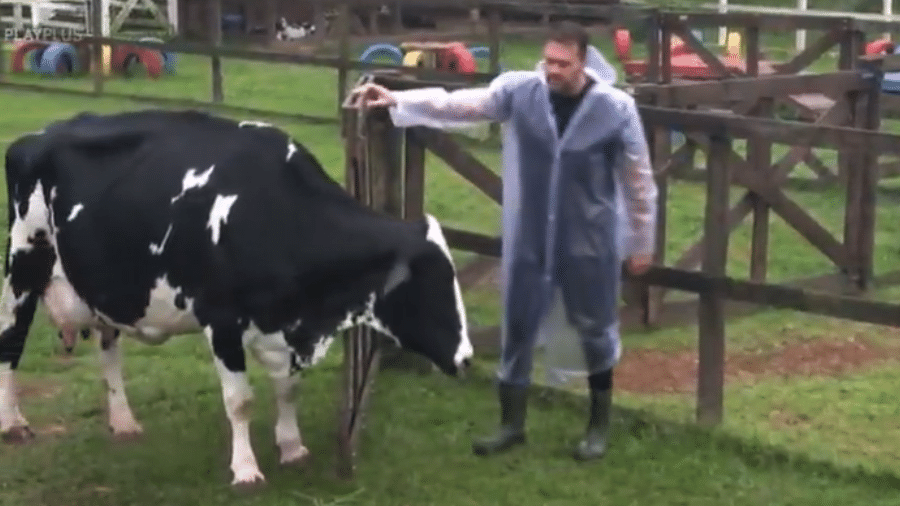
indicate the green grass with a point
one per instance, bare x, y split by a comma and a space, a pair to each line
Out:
800, 440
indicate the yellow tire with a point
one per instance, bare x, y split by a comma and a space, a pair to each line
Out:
414, 59
733, 44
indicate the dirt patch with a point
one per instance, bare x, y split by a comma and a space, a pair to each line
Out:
39, 389
644, 370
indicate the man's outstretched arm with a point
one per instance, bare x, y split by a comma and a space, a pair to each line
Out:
437, 108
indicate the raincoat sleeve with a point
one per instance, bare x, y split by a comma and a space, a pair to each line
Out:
639, 186
437, 108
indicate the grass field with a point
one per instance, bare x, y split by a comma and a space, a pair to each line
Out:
793, 434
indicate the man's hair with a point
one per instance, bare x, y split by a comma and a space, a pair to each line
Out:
570, 32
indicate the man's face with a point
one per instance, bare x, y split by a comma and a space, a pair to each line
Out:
563, 66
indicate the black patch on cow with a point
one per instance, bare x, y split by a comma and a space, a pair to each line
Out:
12, 340
224, 340
180, 302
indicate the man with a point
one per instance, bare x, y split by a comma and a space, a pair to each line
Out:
572, 144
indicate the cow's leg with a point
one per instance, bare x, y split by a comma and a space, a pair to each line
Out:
228, 354
16, 315
274, 353
121, 420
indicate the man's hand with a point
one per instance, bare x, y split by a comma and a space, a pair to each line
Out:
374, 95
639, 264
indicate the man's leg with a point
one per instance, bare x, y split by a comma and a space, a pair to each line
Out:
521, 315
591, 292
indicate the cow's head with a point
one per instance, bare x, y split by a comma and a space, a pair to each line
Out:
422, 304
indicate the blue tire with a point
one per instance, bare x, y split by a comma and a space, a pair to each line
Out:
168, 58
59, 54
382, 50
34, 59
483, 52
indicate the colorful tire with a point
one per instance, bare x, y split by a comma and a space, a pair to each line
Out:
124, 56
414, 59
168, 58
456, 58
21, 49
623, 44
483, 52
60, 59
376, 50
880, 46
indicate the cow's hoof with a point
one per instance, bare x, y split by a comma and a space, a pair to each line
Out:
294, 454
126, 432
248, 480
18, 435
126, 436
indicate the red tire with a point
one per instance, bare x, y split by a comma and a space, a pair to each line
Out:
880, 46
623, 44
21, 49
151, 59
457, 58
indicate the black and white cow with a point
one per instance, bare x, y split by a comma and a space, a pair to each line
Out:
156, 223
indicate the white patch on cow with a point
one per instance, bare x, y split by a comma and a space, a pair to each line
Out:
465, 350
162, 318
157, 249
74, 212
36, 218
121, 418
251, 123
237, 396
218, 215
9, 304
10, 415
366, 317
193, 180
291, 149
274, 353
399, 273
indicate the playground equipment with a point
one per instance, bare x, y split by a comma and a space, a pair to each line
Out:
65, 58
448, 56
685, 63
388, 51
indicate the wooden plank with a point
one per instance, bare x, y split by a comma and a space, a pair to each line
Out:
96, 48
173, 102
780, 132
742, 89
343, 25
215, 33
472, 241
707, 56
461, 161
335, 62
711, 313
414, 174
780, 296
871, 118
769, 22
812, 53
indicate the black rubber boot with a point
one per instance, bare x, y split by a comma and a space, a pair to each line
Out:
593, 446
513, 406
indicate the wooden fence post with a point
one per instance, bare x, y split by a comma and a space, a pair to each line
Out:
96, 7
215, 20
711, 313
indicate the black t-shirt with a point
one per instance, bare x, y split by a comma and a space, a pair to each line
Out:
565, 105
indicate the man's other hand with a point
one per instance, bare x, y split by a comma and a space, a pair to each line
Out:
639, 264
